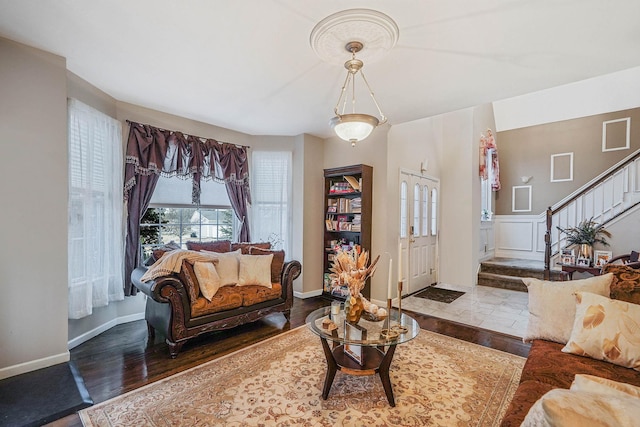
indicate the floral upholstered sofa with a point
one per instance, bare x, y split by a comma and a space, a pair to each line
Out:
213, 286
584, 362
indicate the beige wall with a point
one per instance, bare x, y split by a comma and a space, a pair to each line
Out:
308, 215
527, 152
33, 185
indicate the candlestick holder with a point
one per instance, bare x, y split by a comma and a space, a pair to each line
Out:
399, 328
388, 332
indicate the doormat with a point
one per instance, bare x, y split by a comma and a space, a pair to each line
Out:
440, 295
42, 396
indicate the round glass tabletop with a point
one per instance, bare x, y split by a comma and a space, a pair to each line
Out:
366, 332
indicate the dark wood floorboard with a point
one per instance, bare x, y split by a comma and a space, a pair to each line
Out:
123, 359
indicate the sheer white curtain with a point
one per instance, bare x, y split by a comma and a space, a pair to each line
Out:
95, 243
271, 188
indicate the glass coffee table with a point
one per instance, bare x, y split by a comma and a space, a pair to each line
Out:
364, 349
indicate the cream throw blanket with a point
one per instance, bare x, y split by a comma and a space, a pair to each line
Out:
171, 262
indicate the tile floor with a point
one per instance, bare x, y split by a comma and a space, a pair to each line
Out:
500, 310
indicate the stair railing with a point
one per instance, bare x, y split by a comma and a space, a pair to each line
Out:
632, 160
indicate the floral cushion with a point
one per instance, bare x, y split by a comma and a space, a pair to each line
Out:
606, 329
626, 282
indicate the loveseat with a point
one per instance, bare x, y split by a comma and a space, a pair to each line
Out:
213, 286
548, 367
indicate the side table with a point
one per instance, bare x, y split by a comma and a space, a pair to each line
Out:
370, 347
571, 268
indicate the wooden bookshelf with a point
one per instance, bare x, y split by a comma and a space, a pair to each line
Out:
347, 207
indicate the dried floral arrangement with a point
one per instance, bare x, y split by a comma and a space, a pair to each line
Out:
350, 268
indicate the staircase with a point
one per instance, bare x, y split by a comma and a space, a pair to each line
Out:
606, 197
507, 273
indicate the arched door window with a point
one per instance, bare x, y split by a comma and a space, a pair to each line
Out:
416, 210
403, 209
434, 212
425, 211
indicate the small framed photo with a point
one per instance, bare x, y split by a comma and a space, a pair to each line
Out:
567, 257
353, 332
583, 262
601, 257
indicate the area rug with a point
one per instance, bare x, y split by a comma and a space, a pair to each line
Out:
440, 295
437, 381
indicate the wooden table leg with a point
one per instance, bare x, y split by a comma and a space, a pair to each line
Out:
332, 368
384, 374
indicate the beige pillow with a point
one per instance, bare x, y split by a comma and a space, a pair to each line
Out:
228, 266
552, 306
593, 384
561, 407
208, 278
255, 270
606, 329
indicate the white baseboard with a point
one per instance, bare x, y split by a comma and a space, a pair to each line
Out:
33, 365
310, 294
102, 328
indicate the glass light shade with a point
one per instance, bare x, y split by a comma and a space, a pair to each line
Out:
353, 127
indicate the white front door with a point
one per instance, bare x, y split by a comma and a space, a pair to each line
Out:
419, 197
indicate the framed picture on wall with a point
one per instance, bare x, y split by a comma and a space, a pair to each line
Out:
562, 167
521, 198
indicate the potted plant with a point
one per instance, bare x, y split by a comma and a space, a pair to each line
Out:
585, 235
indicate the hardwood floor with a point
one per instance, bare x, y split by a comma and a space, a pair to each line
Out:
123, 359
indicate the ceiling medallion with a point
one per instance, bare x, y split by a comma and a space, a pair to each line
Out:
375, 30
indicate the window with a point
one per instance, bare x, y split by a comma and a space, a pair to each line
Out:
416, 211
271, 188
163, 224
434, 212
95, 233
425, 210
485, 188
403, 209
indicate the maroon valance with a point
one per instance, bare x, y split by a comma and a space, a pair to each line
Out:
151, 150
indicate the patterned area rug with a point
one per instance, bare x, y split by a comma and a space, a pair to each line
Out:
437, 381
440, 295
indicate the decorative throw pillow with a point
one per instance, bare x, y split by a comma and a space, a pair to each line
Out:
552, 306
606, 329
245, 247
561, 407
626, 282
208, 278
255, 270
593, 384
276, 265
215, 246
228, 265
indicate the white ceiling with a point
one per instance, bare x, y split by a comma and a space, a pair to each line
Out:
247, 65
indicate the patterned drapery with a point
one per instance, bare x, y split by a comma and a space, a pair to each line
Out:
487, 143
152, 152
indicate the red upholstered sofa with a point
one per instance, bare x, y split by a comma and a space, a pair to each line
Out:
177, 307
547, 367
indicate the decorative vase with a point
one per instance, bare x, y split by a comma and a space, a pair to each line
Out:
586, 251
353, 308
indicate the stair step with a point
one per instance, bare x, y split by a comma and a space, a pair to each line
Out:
501, 281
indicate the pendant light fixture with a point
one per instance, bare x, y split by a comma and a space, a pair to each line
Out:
368, 33
353, 126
